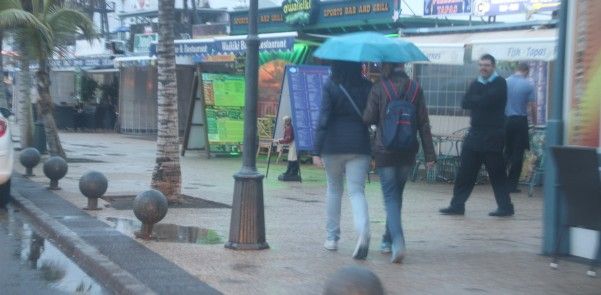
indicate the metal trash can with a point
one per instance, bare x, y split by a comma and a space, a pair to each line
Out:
39, 137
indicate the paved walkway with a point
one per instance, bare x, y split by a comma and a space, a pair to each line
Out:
446, 255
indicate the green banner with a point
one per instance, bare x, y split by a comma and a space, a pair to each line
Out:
223, 90
224, 100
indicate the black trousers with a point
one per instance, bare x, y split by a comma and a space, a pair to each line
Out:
516, 142
471, 161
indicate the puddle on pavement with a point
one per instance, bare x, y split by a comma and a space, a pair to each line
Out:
165, 232
38, 253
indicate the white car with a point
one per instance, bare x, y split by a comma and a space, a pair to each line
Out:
6, 156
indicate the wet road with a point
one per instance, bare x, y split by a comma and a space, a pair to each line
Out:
29, 264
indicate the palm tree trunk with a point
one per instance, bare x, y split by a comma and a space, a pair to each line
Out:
25, 116
166, 176
45, 109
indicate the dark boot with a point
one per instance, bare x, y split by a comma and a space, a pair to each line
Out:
282, 176
293, 175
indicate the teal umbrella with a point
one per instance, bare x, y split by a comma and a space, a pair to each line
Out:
369, 47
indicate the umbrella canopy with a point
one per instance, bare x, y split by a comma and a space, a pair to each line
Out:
369, 47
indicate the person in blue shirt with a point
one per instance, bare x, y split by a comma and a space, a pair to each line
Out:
520, 102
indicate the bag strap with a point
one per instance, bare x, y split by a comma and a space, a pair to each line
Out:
350, 99
411, 91
385, 87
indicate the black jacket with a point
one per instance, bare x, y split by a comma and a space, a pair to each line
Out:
487, 117
340, 130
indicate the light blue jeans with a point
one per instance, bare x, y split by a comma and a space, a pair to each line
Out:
355, 167
392, 180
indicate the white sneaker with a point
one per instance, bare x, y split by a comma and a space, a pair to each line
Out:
331, 245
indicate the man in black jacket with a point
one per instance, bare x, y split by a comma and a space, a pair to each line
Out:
486, 98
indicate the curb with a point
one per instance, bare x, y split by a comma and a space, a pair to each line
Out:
88, 258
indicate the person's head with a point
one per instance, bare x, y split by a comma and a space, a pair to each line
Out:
389, 68
287, 120
353, 280
487, 64
523, 68
346, 72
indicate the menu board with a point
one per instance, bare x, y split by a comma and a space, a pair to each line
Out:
301, 95
224, 108
223, 90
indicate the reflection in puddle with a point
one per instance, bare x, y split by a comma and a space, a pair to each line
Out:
38, 253
170, 232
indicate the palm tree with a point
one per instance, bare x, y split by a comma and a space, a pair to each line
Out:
15, 15
166, 176
59, 23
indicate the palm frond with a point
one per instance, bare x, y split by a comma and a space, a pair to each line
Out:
13, 17
65, 21
10, 4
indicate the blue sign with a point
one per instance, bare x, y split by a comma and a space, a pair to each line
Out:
445, 7
304, 86
498, 7
81, 62
238, 46
194, 48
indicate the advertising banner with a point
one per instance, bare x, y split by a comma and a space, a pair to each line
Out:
499, 7
142, 42
583, 75
445, 7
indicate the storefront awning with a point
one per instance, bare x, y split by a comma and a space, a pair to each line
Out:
503, 45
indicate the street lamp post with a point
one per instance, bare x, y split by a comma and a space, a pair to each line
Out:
247, 225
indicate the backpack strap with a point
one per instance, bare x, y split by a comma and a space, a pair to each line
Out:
396, 94
411, 91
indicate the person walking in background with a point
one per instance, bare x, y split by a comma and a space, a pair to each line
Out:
293, 169
78, 116
520, 102
342, 141
394, 164
486, 98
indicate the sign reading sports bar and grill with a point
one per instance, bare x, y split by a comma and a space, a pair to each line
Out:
293, 13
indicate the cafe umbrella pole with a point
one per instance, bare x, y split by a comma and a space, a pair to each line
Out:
247, 225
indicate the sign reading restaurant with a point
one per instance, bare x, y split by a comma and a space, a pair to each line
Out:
278, 19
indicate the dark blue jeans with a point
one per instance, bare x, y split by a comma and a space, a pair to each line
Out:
392, 180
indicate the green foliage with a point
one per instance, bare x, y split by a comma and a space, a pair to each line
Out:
110, 91
87, 88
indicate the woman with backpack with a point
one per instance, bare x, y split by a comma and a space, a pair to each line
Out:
342, 141
396, 105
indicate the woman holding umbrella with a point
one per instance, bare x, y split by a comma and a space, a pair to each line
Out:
392, 166
342, 141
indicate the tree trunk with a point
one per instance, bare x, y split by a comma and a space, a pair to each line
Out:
3, 98
166, 176
45, 110
25, 115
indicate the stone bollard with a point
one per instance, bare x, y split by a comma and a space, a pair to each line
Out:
93, 185
29, 158
55, 168
353, 280
150, 207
